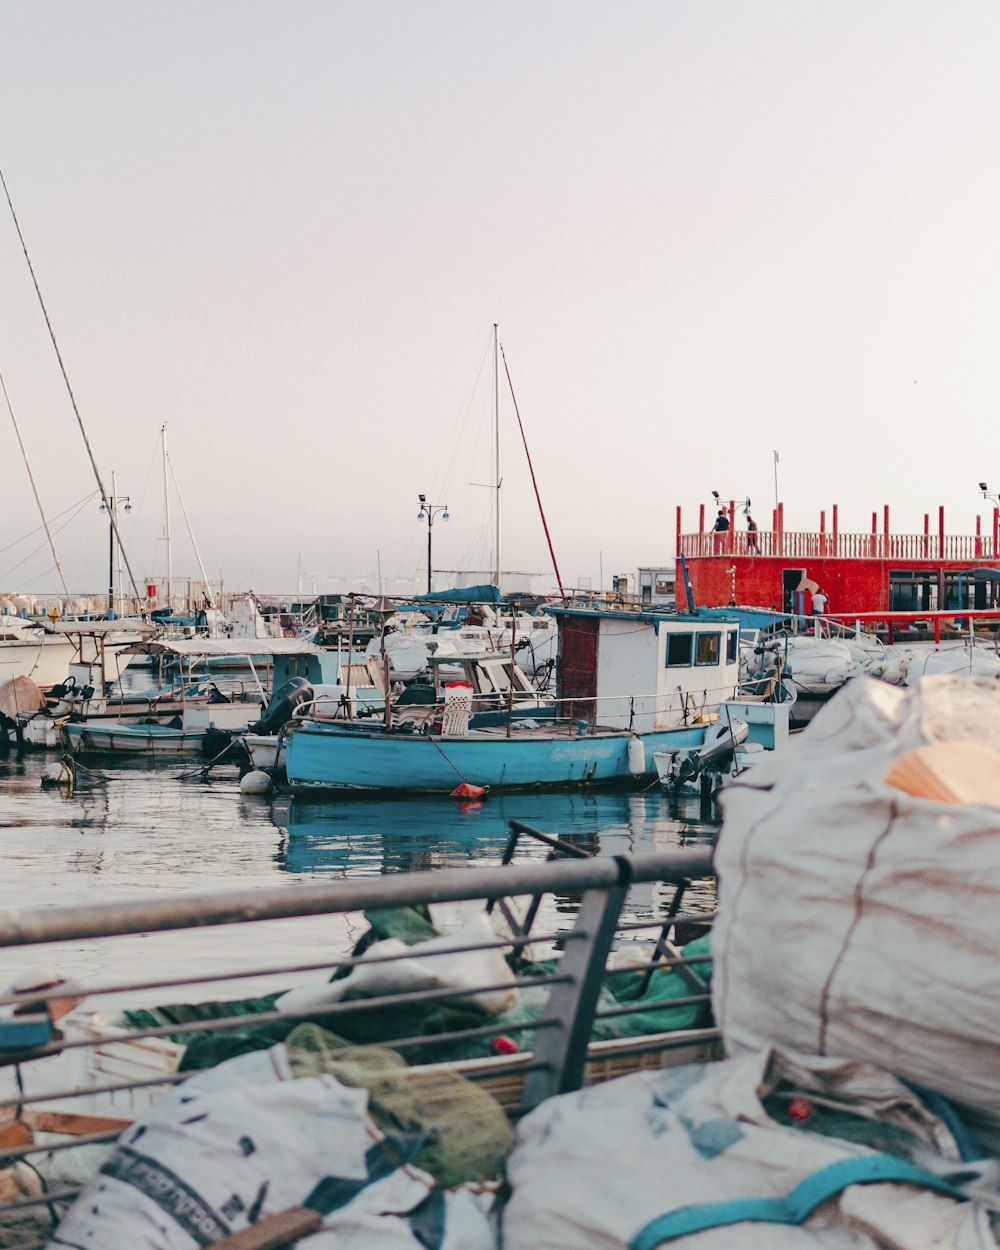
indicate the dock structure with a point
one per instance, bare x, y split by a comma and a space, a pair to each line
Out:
873, 571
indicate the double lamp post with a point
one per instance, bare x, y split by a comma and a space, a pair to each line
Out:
428, 511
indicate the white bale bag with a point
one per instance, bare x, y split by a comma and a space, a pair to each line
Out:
857, 920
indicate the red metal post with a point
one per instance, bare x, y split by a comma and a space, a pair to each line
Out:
979, 537
885, 549
732, 524
874, 550
996, 532
678, 548
781, 529
927, 535
822, 533
836, 550
941, 533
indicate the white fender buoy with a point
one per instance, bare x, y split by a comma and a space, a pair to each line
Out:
255, 782
57, 774
636, 757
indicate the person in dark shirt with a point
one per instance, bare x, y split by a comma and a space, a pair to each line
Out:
752, 541
721, 527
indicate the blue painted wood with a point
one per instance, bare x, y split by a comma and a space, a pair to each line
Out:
336, 758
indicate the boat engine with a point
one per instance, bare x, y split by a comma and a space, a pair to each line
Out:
284, 701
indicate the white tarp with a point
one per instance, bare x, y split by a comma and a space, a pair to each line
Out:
599, 1169
859, 921
961, 661
438, 963
408, 652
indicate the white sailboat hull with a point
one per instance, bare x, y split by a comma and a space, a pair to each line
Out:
45, 660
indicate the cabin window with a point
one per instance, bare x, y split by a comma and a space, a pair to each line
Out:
732, 646
966, 590
709, 648
915, 590
679, 650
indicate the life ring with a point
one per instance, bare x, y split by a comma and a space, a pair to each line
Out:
288, 632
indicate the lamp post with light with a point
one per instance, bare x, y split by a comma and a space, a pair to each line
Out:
428, 511
113, 502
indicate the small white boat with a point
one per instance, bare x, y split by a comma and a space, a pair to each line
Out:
86, 736
266, 751
684, 765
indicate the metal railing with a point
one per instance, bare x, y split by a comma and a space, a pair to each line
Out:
570, 716
619, 897
811, 545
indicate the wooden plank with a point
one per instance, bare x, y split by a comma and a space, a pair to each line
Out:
273, 1231
74, 1125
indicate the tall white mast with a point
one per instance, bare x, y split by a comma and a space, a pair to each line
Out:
187, 521
34, 488
166, 518
496, 429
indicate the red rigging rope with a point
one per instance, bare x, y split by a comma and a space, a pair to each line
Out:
531, 470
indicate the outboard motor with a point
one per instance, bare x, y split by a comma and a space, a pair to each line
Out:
284, 701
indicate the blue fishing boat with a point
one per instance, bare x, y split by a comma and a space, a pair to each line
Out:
602, 732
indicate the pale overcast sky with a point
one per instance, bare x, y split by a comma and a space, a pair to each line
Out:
706, 229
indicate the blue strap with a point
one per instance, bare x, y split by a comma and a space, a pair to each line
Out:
795, 1207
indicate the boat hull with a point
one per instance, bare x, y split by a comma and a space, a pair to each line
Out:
134, 739
325, 758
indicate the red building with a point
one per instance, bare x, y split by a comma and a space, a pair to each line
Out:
859, 572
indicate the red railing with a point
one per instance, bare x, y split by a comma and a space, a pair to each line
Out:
797, 545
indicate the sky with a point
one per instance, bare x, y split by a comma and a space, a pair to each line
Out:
707, 231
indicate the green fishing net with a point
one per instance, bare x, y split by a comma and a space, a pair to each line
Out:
470, 1135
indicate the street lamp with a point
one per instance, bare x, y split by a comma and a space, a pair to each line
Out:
113, 502
428, 511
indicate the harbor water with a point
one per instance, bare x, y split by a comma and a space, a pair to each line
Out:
139, 828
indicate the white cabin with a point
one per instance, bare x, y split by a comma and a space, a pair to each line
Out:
645, 670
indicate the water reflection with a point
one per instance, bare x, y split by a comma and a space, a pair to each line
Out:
397, 835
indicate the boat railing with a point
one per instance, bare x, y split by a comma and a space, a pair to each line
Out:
96, 1072
572, 714
681, 707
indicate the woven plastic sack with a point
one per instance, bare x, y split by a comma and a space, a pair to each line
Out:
859, 921
244, 1141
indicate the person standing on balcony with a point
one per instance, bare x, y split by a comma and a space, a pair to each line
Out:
720, 528
752, 541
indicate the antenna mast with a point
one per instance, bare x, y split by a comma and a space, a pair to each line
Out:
166, 520
496, 431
